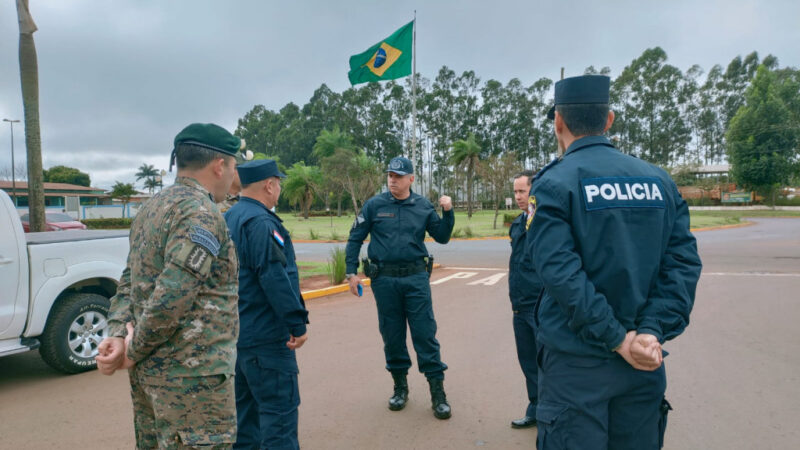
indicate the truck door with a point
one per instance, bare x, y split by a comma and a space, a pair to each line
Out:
12, 248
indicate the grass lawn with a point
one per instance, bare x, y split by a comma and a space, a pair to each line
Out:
319, 228
701, 219
311, 268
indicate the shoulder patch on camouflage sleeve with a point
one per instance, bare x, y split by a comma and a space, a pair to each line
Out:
195, 258
203, 237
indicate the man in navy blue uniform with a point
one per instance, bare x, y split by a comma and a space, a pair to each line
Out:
396, 222
610, 240
524, 287
272, 314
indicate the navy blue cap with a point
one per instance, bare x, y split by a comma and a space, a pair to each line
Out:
253, 171
585, 89
400, 165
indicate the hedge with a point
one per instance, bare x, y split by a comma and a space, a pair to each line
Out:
116, 223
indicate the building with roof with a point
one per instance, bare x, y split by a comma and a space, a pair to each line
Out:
56, 194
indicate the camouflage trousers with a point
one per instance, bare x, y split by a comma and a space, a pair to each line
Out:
183, 413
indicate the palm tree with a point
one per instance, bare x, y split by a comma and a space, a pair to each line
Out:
29, 77
301, 182
151, 184
149, 173
466, 154
329, 141
123, 192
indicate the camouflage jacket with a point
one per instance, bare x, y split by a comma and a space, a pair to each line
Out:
226, 204
180, 287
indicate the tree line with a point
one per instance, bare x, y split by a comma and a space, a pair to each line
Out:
666, 116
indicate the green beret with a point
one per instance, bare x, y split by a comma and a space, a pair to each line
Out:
210, 136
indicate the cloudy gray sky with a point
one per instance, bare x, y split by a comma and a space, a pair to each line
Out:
119, 78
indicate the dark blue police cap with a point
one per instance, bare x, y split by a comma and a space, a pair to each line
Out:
584, 90
401, 166
253, 171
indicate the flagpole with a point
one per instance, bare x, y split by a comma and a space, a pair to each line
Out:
414, 90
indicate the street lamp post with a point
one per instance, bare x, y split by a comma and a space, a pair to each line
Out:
13, 169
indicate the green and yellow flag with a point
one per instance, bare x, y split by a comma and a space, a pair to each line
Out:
386, 60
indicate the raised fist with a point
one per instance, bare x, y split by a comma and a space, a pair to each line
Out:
446, 202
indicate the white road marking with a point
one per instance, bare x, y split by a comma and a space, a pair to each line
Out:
490, 280
750, 274
455, 276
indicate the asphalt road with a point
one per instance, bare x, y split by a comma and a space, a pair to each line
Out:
732, 377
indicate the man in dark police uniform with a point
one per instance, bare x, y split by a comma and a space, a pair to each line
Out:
272, 313
396, 222
610, 239
524, 287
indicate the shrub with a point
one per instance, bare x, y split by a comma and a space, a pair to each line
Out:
336, 265
113, 223
312, 234
335, 236
509, 218
457, 233
783, 201
468, 232
704, 201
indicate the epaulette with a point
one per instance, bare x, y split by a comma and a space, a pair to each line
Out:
545, 169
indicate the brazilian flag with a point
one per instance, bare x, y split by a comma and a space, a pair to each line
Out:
386, 60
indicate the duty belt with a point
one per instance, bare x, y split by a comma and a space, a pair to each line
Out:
401, 269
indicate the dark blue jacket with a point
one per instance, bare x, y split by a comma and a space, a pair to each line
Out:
524, 285
611, 242
270, 306
397, 229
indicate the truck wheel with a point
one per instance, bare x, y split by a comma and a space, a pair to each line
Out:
74, 329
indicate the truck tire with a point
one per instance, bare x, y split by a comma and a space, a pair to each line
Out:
74, 329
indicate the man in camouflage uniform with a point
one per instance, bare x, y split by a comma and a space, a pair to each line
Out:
236, 187
179, 293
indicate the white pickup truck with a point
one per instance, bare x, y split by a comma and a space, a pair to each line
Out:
54, 290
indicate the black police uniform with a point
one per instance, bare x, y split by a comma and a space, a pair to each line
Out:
524, 287
610, 239
271, 310
402, 289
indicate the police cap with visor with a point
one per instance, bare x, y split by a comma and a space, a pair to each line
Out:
585, 89
400, 165
261, 169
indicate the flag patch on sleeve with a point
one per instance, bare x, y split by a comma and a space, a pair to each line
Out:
531, 211
278, 237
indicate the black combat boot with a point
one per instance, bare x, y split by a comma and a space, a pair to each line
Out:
441, 409
400, 397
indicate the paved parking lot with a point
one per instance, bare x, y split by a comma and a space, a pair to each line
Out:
733, 376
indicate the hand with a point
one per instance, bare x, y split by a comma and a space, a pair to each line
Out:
625, 351
110, 354
646, 350
297, 342
446, 202
127, 363
354, 281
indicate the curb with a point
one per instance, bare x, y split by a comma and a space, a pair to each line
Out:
746, 223
339, 288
